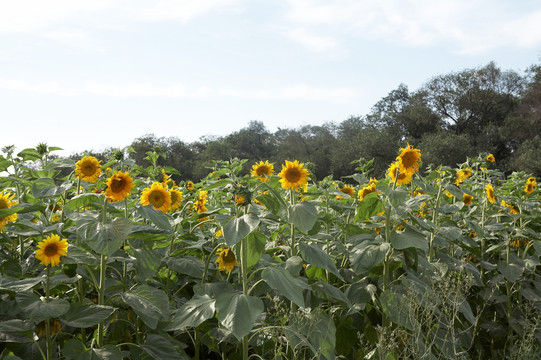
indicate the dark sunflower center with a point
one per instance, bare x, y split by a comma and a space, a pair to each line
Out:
3, 204
293, 175
51, 249
229, 257
262, 170
156, 198
408, 159
89, 169
117, 185
174, 197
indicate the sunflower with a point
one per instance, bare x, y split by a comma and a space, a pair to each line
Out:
158, 196
6, 201
490, 193
468, 199
119, 186
511, 208
240, 200
347, 189
226, 260
408, 160
176, 198
88, 169
462, 175
490, 158
370, 188
51, 249
531, 185
394, 173
293, 175
190, 186
262, 170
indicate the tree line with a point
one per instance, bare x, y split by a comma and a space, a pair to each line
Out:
450, 117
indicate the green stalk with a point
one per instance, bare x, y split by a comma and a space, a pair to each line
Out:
47, 322
244, 274
431, 249
292, 242
101, 288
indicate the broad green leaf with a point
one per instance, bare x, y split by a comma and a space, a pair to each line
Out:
45, 187
82, 200
314, 272
148, 261
219, 184
450, 232
281, 280
107, 352
328, 290
16, 285
318, 334
77, 255
38, 310
4, 163
409, 238
157, 217
255, 242
238, 228
317, 257
397, 308
368, 207
238, 312
366, 256
193, 313
303, 215
188, 265
512, 271
16, 325
107, 238
84, 316
149, 303
29, 154
159, 347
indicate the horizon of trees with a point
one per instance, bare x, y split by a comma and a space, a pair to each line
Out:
452, 116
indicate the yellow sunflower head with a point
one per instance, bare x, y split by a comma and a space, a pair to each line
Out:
468, 199
408, 160
262, 170
226, 260
51, 249
190, 186
395, 175
88, 169
370, 188
158, 196
490, 158
490, 193
293, 175
6, 201
119, 186
462, 175
531, 185
348, 189
176, 198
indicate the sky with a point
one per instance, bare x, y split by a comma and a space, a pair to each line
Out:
91, 75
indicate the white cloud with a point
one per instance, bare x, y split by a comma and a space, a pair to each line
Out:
312, 41
333, 95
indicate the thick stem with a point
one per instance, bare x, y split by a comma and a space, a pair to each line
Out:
245, 290
101, 295
48, 321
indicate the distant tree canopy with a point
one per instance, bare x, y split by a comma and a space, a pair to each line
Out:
451, 117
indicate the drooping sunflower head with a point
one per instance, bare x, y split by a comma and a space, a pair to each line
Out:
395, 175
293, 175
370, 188
51, 249
6, 201
468, 199
462, 175
176, 198
490, 158
348, 189
158, 196
190, 186
408, 160
202, 199
226, 260
88, 169
490, 193
262, 170
511, 208
119, 186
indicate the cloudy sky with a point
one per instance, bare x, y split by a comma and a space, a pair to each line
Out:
87, 75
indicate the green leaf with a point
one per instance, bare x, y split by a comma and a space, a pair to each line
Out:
4, 163
38, 310
366, 256
314, 272
319, 334
368, 207
107, 238
512, 271
193, 313
281, 280
255, 242
238, 312
303, 215
16, 285
148, 261
238, 228
219, 184
397, 308
84, 316
317, 257
16, 325
82, 200
159, 347
157, 217
29, 154
108, 352
77, 255
45, 187
188, 265
149, 303
409, 238
328, 290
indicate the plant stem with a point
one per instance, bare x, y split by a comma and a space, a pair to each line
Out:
48, 321
244, 274
101, 295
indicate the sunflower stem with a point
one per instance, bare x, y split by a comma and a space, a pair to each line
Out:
101, 295
49, 345
431, 249
245, 290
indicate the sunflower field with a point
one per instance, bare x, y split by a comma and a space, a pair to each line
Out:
110, 260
